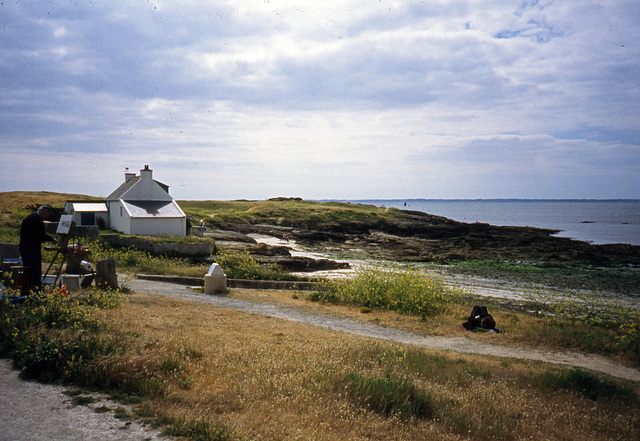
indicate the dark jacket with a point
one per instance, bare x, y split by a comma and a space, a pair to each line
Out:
32, 233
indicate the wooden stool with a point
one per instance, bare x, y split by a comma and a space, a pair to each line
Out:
21, 282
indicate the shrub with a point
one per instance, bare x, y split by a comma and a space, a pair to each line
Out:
52, 337
56, 358
405, 290
240, 265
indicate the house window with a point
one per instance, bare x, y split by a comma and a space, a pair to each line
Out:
120, 211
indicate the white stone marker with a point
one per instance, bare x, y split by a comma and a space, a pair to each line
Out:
215, 280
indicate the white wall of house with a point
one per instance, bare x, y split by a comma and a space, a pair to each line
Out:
159, 226
78, 218
119, 219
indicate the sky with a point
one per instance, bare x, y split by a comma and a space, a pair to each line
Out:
343, 99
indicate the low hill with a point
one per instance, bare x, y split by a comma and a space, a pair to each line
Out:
11, 200
15, 205
368, 231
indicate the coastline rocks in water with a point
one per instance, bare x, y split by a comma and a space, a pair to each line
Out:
422, 237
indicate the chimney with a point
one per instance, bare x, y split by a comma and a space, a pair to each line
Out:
146, 173
128, 176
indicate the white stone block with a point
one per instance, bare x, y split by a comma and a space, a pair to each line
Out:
215, 280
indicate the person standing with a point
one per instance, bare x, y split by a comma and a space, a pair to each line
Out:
32, 235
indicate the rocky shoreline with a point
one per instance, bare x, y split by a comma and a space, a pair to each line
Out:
420, 237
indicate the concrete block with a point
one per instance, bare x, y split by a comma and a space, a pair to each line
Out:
215, 280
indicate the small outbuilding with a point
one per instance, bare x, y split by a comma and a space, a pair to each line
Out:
88, 213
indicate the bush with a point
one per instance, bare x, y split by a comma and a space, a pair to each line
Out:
405, 290
240, 265
52, 337
56, 358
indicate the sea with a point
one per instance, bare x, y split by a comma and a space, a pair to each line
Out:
593, 221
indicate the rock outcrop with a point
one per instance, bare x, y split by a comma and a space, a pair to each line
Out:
422, 237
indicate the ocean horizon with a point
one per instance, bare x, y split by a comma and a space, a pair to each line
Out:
597, 221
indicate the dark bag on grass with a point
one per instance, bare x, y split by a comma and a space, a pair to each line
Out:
479, 318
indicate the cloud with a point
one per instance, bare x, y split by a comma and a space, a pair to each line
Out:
340, 99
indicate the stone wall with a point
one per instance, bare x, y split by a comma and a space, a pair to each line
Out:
158, 248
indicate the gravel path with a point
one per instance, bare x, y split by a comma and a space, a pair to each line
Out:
455, 344
30, 411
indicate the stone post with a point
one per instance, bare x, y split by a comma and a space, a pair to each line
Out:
215, 280
106, 276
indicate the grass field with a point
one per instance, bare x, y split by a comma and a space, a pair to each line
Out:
205, 373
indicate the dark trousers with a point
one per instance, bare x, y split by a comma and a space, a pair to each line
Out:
33, 260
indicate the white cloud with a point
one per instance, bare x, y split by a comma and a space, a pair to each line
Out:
339, 99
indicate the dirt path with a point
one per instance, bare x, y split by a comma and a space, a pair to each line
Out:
455, 344
32, 411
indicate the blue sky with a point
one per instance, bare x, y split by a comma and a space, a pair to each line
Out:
341, 100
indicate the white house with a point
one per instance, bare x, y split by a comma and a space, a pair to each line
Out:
143, 206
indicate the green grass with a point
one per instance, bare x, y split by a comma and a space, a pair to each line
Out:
83, 400
623, 279
201, 429
401, 289
597, 323
390, 396
284, 212
592, 386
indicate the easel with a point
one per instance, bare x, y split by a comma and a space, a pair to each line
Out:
68, 252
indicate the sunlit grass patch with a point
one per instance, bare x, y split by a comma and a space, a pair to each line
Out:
597, 322
401, 289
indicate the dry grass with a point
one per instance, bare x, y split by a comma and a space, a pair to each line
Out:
519, 329
264, 378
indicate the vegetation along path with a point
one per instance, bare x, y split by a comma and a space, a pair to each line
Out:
456, 344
